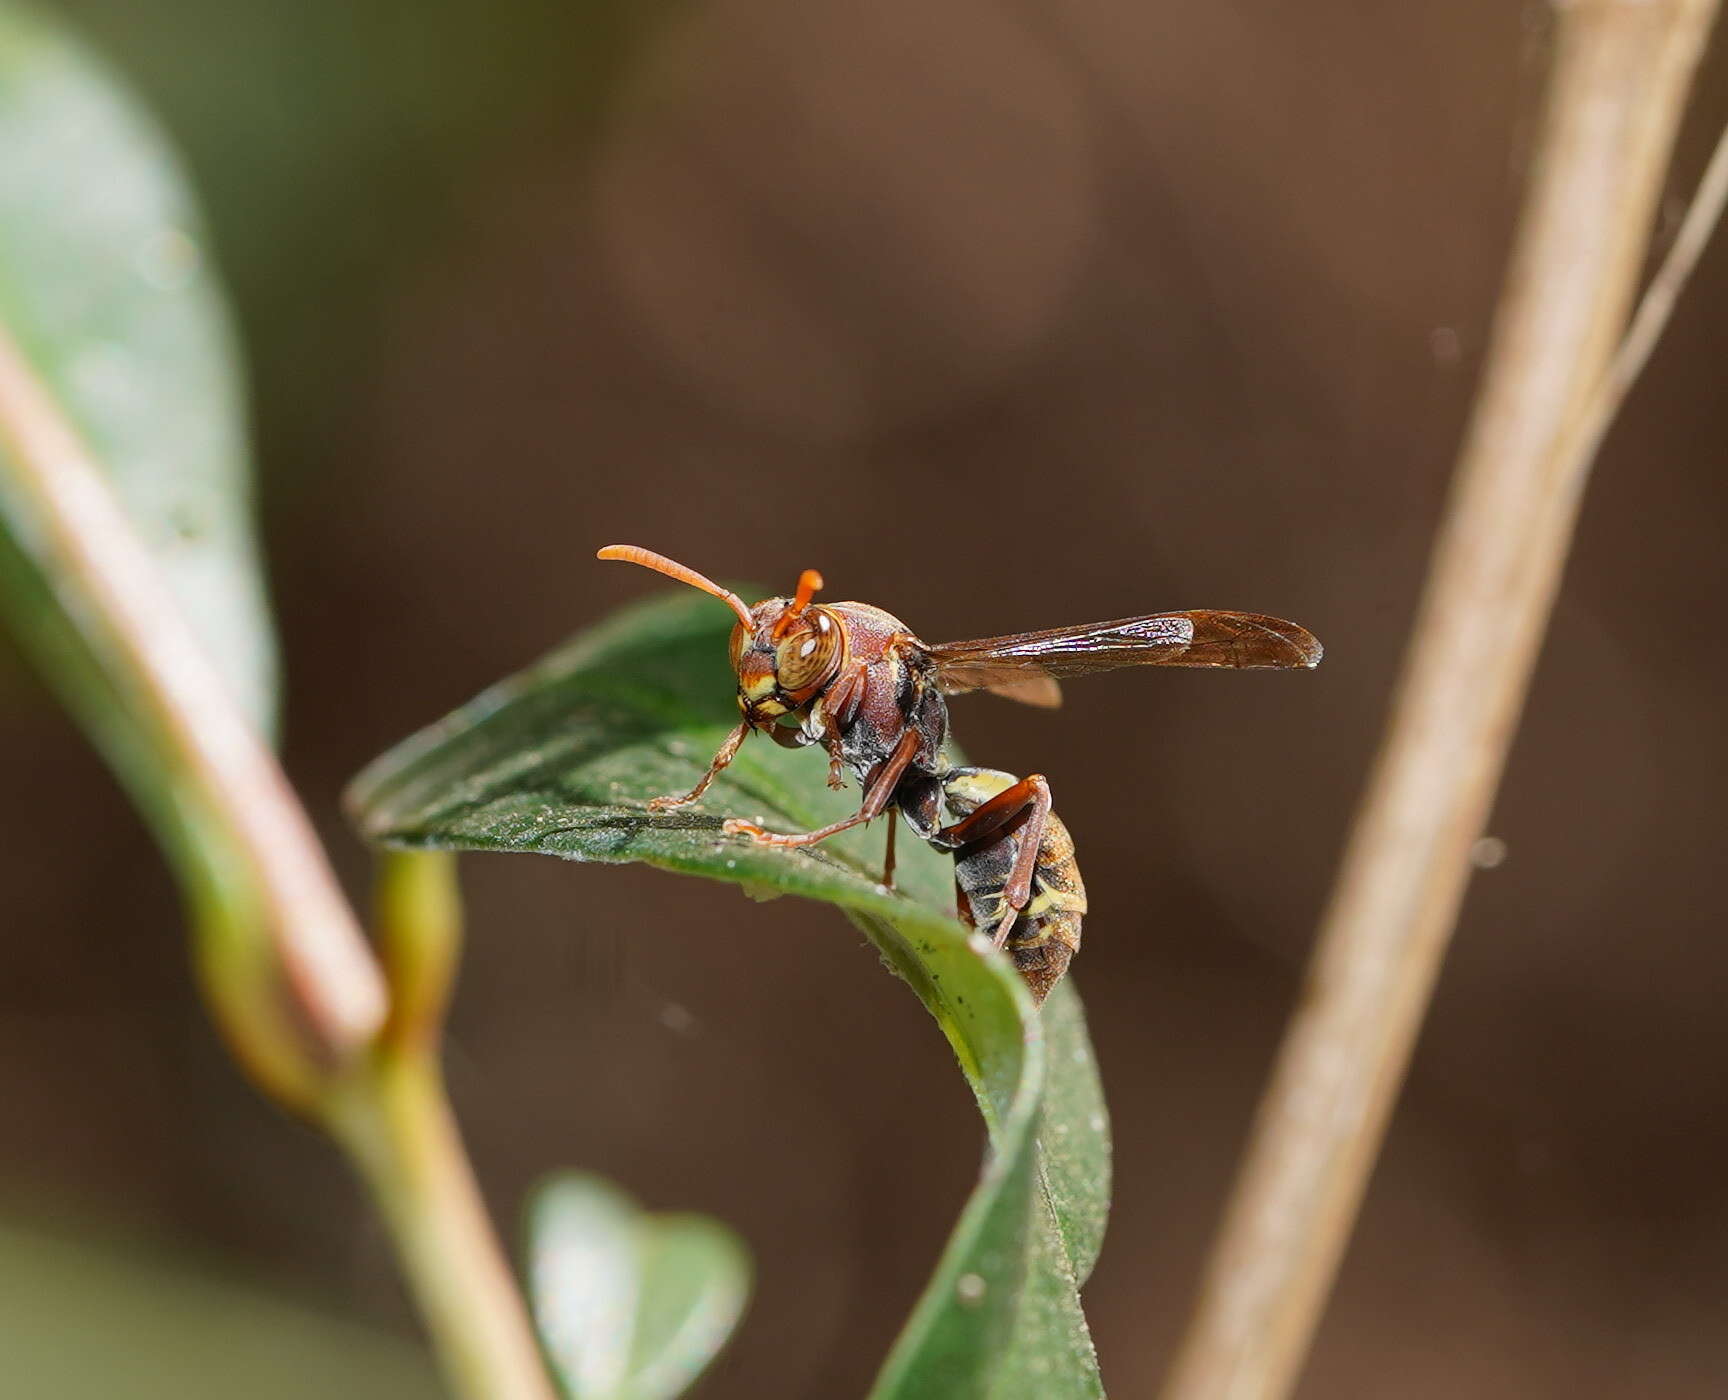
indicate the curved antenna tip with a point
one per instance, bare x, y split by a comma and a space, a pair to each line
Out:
671, 568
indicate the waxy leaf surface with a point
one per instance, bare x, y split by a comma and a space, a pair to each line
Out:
560, 759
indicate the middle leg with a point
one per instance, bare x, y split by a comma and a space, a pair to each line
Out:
888, 849
876, 797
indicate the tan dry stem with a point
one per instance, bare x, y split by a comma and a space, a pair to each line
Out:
1621, 72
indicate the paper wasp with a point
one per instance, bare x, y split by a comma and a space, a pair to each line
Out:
857, 681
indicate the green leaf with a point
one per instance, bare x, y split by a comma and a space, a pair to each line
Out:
630, 1306
559, 760
105, 285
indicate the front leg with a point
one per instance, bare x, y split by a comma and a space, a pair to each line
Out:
836, 759
728, 751
876, 798
839, 703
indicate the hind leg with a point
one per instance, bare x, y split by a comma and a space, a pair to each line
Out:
1030, 795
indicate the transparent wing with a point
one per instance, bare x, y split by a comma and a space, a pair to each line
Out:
1017, 683
1233, 640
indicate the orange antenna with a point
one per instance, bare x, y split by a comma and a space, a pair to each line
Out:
808, 582
648, 559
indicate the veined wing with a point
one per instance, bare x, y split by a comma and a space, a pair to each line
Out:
1238, 641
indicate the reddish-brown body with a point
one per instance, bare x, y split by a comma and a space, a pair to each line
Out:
856, 680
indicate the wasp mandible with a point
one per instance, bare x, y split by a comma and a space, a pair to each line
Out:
859, 682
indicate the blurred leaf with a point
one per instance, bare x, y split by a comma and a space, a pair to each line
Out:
83, 1319
559, 759
105, 289
695, 1278
630, 1306
105, 284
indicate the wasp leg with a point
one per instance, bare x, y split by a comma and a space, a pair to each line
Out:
728, 751
1031, 792
1006, 916
882, 784
838, 704
888, 849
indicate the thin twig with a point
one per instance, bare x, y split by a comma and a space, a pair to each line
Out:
327, 966
1657, 304
1621, 72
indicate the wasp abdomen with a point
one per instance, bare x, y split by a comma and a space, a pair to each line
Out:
1042, 936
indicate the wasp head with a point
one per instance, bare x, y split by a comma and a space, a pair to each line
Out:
787, 655
785, 650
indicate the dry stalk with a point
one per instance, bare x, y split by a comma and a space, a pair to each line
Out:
1621, 72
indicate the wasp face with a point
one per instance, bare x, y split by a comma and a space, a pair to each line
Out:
785, 658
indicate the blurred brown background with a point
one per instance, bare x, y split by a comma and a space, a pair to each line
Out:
1004, 315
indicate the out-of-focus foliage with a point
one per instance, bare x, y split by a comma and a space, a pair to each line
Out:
366, 118
105, 290
104, 283
630, 1306
559, 759
87, 1321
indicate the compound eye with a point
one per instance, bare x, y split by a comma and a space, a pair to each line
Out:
736, 646
808, 654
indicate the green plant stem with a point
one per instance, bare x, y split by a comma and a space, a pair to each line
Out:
395, 1122
1620, 76
111, 583
394, 1119
417, 911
